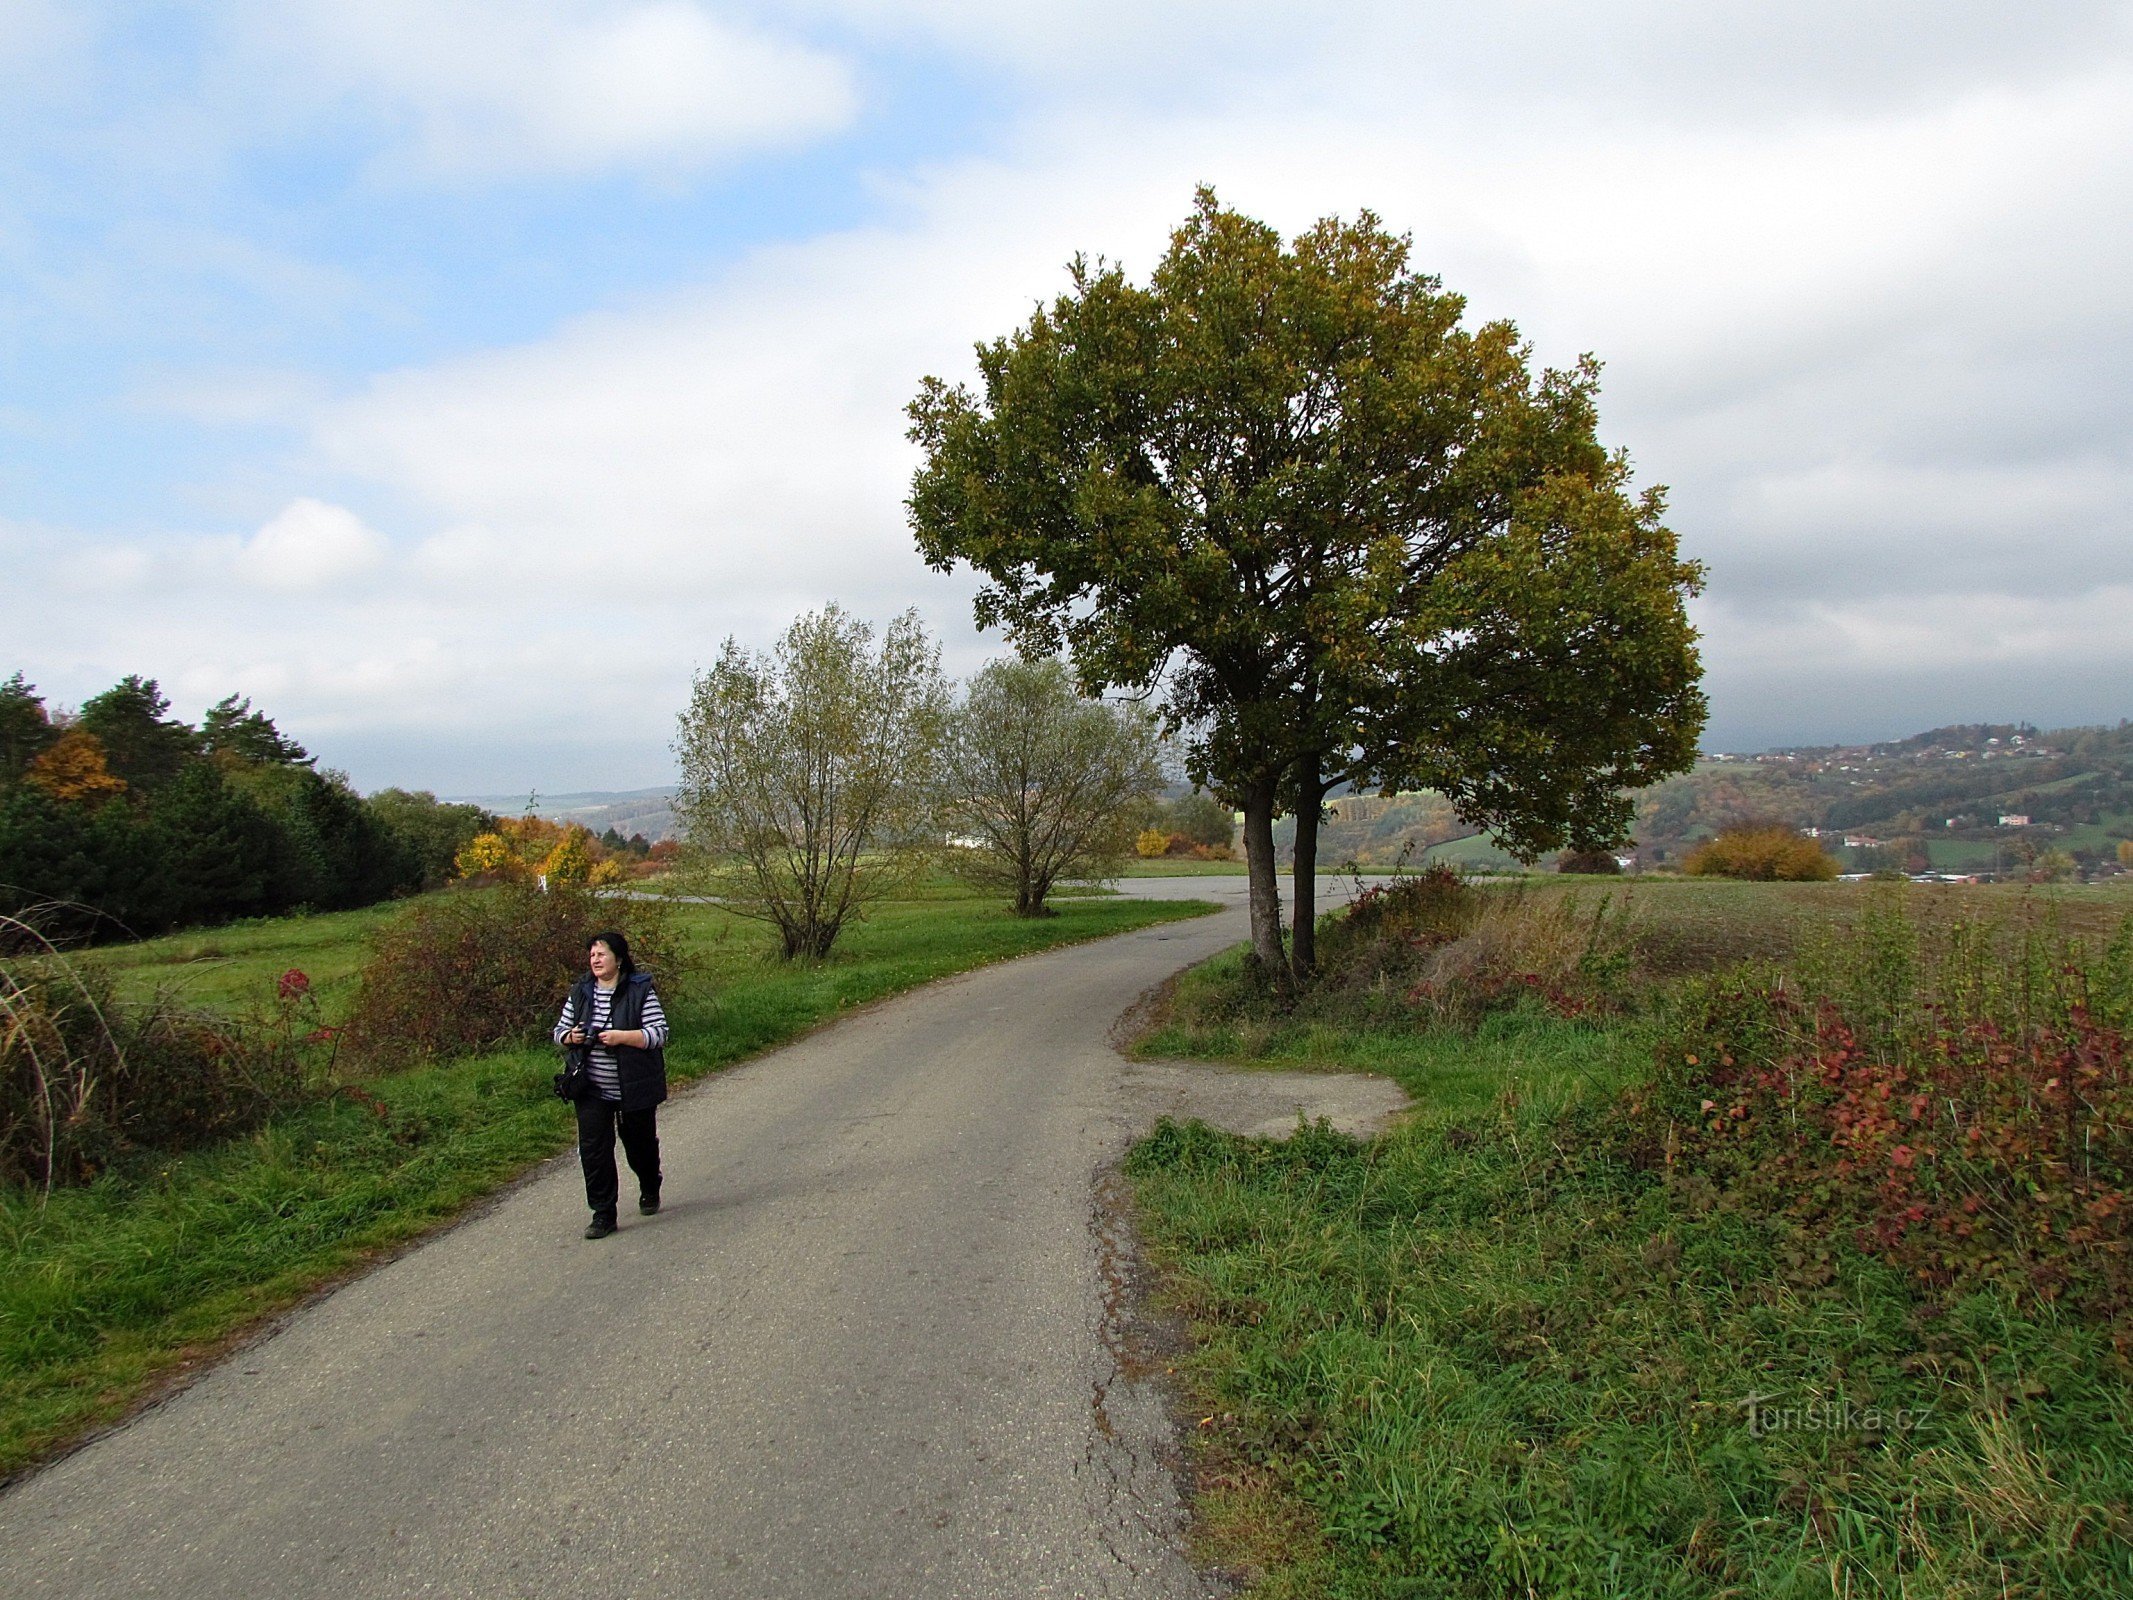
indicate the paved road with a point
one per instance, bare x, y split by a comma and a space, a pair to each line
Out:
869, 1349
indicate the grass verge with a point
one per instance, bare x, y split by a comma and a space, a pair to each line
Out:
115, 1287
1485, 1354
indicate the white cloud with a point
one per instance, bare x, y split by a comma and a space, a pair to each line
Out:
310, 546
481, 88
1926, 632
1875, 340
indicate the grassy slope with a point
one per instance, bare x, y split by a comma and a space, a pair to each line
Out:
228, 966
112, 1287
1476, 1357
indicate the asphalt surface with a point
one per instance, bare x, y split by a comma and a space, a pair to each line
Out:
873, 1346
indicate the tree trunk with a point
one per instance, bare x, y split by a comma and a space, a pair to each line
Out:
1265, 889
1303, 940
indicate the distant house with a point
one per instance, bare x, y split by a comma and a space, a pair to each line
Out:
1861, 841
2015, 819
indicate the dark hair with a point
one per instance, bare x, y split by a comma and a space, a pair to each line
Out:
619, 942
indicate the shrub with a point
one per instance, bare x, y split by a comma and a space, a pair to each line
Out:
1201, 819
1957, 1103
1569, 954
1764, 853
1430, 908
1591, 862
480, 969
84, 1081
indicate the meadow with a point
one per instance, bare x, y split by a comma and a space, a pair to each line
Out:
1621, 1309
115, 1287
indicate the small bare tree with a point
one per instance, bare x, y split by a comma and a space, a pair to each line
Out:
1042, 784
807, 773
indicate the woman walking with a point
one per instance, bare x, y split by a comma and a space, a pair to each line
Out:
613, 1014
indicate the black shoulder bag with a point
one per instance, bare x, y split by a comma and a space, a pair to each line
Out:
576, 1076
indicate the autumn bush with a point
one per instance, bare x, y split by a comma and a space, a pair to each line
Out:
480, 969
85, 1081
1761, 853
1432, 950
1955, 1101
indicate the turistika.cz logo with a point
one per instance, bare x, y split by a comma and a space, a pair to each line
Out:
1765, 1414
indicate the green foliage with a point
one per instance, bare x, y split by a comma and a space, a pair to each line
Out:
1047, 784
145, 747
473, 970
807, 774
1199, 817
25, 729
429, 832
233, 731
1762, 853
1480, 1357
189, 826
1353, 540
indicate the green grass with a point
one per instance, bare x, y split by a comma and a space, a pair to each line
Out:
1477, 852
1482, 1356
1445, 1072
111, 1287
223, 967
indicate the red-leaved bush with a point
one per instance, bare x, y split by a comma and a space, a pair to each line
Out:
1975, 1153
479, 969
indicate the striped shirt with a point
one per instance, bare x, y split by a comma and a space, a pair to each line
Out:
602, 1067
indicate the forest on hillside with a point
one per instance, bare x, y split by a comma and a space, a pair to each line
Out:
121, 819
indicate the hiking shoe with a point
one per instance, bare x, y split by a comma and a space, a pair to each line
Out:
599, 1227
648, 1204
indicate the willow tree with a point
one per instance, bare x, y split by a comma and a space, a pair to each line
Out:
1342, 536
808, 773
1042, 784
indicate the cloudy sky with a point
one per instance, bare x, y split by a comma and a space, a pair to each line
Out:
452, 376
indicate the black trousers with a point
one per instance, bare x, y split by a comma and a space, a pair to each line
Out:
598, 1123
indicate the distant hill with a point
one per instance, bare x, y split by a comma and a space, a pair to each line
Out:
630, 811
1951, 795
1947, 798
1938, 796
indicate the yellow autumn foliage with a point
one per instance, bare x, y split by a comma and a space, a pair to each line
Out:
74, 769
571, 860
489, 855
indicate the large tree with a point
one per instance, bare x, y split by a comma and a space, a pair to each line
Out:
1041, 783
1345, 538
25, 729
807, 774
233, 732
145, 747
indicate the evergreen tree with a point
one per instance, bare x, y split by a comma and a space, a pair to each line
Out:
144, 746
233, 731
25, 729
212, 855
